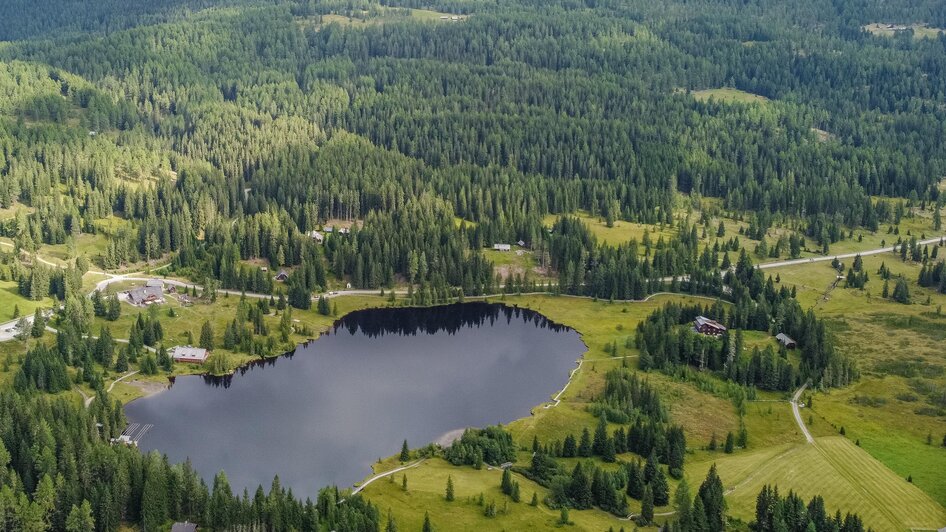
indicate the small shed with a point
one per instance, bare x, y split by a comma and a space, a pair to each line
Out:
786, 340
502, 247
184, 527
189, 354
317, 236
283, 276
704, 325
521, 243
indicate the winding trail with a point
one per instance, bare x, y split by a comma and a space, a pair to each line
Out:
382, 475
797, 413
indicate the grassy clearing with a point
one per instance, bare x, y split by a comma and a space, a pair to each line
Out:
425, 493
381, 15
10, 299
920, 30
728, 95
622, 232
845, 475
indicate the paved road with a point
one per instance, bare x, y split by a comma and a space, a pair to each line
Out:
8, 330
878, 251
797, 413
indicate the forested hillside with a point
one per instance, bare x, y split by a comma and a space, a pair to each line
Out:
228, 138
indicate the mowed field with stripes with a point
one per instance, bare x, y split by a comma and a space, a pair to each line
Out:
834, 467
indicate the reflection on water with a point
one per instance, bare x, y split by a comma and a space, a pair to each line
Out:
322, 414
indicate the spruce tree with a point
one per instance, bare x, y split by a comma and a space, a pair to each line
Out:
683, 504
427, 526
647, 507
207, 336
601, 437
449, 494
730, 443
660, 489
506, 482
405, 452
39, 324
584, 448
711, 493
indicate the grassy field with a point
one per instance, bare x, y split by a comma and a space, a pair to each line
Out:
425, 493
622, 232
10, 299
728, 95
845, 475
898, 349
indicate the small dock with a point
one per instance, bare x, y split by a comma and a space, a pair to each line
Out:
133, 434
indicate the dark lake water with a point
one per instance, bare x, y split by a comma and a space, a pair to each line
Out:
323, 414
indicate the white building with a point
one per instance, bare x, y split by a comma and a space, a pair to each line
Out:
501, 247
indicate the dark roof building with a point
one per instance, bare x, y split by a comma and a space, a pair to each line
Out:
704, 325
283, 275
786, 340
146, 295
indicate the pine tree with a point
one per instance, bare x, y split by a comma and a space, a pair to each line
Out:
506, 483
584, 448
121, 364
392, 524
427, 526
39, 324
683, 504
405, 452
711, 493
449, 494
80, 518
114, 309
563, 516
207, 336
660, 489
323, 306
535, 497
647, 507
635, 481
601, 437
730, 443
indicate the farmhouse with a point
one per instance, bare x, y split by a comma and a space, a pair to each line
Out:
502, 247
317, 236
188, 354
786, 340
150, 294
704, 325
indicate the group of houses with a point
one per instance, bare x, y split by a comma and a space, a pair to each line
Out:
152, 293
319, 236
710, 327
